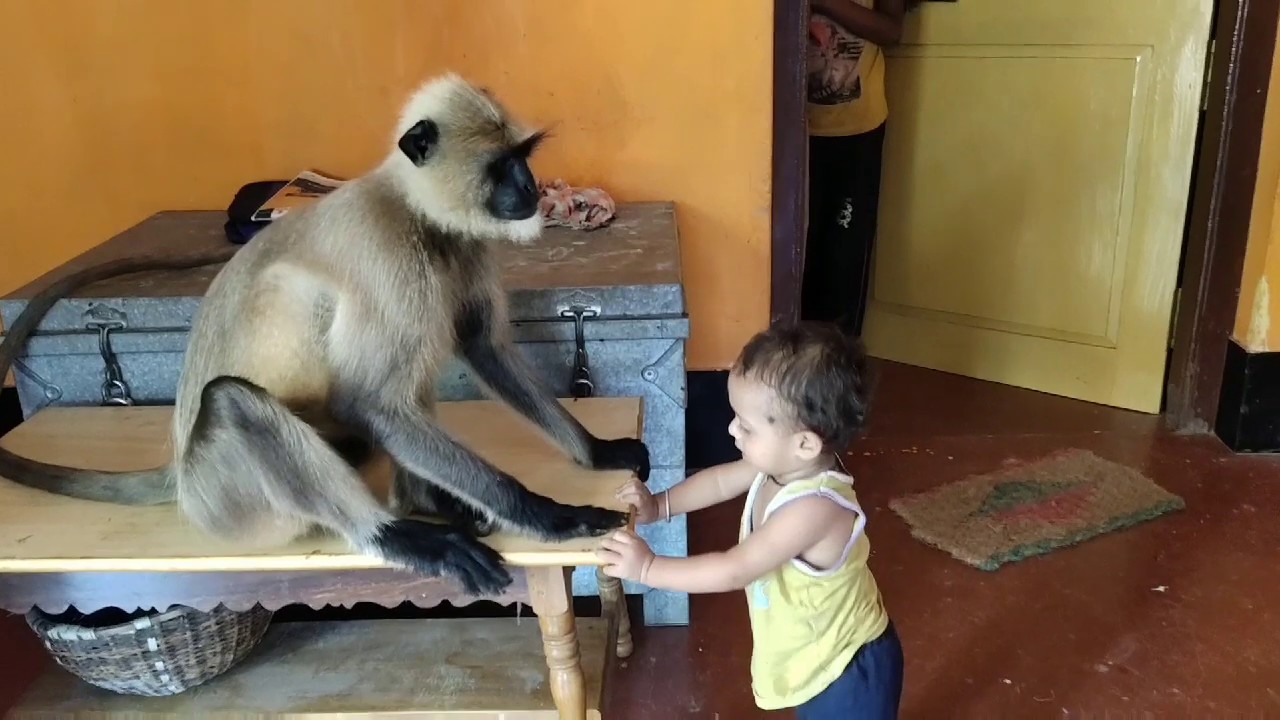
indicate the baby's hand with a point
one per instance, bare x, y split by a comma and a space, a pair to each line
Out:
635, 494
626, 556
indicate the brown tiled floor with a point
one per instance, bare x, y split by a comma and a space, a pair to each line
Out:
1172, 618
1176, 617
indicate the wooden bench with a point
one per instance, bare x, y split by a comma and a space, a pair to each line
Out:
58, 552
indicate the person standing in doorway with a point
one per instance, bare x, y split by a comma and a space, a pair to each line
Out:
847, 112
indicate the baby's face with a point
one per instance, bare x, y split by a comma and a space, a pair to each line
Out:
767, 439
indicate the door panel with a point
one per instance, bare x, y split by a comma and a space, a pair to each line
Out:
1036, 175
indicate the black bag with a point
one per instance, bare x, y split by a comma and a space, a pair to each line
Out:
240, 225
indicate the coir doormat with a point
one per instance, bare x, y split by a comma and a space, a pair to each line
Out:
1033, 508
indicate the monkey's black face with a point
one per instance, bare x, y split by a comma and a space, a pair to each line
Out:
509, 187
514, 193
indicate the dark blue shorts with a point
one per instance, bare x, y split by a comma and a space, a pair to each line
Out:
870, 687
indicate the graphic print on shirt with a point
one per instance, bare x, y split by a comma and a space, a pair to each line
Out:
834, 57
760, 594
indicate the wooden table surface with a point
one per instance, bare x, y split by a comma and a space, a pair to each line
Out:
40, 532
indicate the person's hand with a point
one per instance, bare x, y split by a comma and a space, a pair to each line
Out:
635, 494
626, 556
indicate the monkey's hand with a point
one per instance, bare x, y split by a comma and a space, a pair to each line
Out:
555, 521
621, 454
441, 550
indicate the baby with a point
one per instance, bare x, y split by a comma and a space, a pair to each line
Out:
823, 641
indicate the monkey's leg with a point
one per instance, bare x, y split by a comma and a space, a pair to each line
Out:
502, 369
417, 444
411, 495
252, 463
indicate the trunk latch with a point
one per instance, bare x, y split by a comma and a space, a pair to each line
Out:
580, 385
115, 391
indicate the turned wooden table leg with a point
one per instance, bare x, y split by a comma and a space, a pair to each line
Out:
611, 596
551, 595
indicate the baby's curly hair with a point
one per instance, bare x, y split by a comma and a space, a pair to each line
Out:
818, 373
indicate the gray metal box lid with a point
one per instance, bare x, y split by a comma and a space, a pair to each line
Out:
629, 270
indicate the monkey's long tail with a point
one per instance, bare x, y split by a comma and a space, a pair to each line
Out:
144, 487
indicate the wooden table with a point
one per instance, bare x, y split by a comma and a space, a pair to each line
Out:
57, 552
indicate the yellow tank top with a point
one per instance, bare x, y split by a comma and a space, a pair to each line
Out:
806, 623
845, 80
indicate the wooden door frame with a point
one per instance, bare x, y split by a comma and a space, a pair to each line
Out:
1220, 204
790, 159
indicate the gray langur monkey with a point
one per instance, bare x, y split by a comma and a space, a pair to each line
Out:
321, 340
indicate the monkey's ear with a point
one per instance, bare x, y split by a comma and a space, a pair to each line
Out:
419, 141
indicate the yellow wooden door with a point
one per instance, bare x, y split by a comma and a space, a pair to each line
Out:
1036, 176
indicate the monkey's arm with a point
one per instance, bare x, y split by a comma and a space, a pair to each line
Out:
419, 445
501, 368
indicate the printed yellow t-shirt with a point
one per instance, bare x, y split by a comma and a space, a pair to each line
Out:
845, 80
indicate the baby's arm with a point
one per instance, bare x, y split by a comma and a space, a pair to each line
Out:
702, 489
709, 487
789, 532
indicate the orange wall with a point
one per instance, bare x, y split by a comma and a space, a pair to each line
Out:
1257, 325
118, 108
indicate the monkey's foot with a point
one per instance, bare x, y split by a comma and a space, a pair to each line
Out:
621, 454
443, 551
554, 521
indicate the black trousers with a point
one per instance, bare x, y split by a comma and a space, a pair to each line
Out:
844, 196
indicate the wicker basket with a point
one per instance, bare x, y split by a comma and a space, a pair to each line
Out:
148, 653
